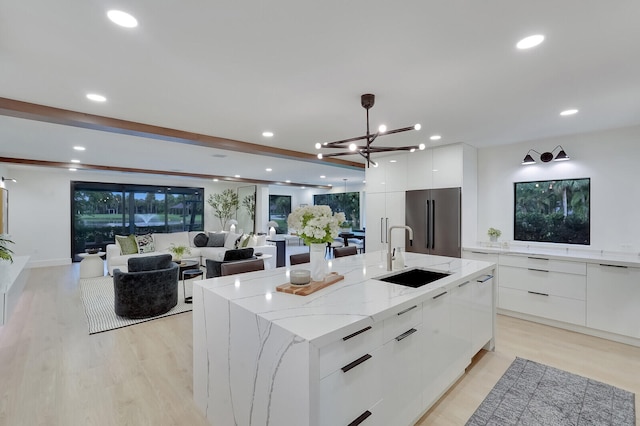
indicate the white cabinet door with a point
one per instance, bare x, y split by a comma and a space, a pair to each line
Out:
395, 208
461, 314
376, 221
376, 179
395, 172
402, 395
447, 166
419, 170
613, 297
483, 312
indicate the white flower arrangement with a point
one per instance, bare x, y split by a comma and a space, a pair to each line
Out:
315, 224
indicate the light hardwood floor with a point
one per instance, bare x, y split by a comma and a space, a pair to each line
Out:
53, 373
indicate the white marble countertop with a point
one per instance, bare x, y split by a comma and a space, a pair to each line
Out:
577, 254
358, 297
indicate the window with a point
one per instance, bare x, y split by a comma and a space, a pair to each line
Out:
347, 202
279, 209
102, 210
555, 211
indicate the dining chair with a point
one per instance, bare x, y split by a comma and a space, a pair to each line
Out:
296, 259
241, 266
345, 251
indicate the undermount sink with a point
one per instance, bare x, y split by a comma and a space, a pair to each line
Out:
415, 277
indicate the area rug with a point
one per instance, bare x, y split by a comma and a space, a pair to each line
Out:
535, 394
97, 297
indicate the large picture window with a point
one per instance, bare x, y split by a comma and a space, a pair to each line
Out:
555, 211
279, 209
102, 210
346, 202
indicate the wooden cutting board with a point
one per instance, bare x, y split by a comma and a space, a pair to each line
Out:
312, 287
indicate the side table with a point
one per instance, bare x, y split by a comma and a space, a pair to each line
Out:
187, 275
91, 265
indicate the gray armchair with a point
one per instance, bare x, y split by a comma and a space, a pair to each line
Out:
150, 287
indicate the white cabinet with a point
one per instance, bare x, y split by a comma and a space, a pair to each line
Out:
383, 211
461, 323
447, 168
553, 289
613, 297
420, 170
389, 176
483, 312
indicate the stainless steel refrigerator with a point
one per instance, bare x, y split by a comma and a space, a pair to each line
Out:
434, 215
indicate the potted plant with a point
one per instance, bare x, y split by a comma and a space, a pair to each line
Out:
179, 251
494, 234
5, 252
224, 205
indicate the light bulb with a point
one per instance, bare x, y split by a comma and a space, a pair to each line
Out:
382, 128
320, 156
318, 145
417, 126
422, 146
352, 147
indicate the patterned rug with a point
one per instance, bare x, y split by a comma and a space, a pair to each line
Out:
97, 297
535, 394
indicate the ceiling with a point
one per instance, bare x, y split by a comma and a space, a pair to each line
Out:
235, 69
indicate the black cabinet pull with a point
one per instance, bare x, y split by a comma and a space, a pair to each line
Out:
361, 418
356, 363
463, 284
537, 258
407, 310
356, 333
613, 266
538, 270
440, 295
406, 334
539, 294
486, 278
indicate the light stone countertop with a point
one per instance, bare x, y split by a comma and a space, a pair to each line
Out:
358, 297
577, 254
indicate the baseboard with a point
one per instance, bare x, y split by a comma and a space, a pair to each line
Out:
49, 262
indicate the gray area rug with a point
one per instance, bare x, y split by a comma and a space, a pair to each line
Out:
535, 394
97, 297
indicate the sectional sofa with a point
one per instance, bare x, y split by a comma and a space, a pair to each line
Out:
153, 244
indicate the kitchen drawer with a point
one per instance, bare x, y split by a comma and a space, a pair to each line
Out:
401, 320
480, 255
552, 307
350, 347
344, 395
543, 263
539, 281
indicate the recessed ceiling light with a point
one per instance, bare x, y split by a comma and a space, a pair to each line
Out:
79, 148
287, 181
322, 176
269, 169
215, 180
123, 19
364, 181
435, 137
267, 134
75, 161
569, 112
531, 41
237, 176
95, 97
71, 169
393, 161
302, 187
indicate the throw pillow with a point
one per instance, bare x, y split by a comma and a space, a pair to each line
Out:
200, 240
145, 243
239, 254
244, 241
128, 244
231, 241
216, 239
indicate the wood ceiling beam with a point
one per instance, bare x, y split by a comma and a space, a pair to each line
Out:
61, 165
30, 111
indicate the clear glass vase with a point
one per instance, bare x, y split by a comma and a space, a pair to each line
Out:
318, 262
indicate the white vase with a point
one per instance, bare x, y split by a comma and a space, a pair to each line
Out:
318, 263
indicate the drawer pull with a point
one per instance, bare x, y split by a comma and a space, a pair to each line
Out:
537, 258
537, 270
407, 310
463, 284
356, 333
406, 334
356, 363
360, 418
440, 295
539, 294
613, 266
479, 252
486, 278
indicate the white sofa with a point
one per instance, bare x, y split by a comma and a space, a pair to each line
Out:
162, 242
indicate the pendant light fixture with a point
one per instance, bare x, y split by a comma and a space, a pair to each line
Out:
365, 150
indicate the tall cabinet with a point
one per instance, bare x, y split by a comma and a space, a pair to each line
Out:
446, 166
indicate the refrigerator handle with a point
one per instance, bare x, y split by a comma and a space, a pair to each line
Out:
433, 226
427, 219
381, 231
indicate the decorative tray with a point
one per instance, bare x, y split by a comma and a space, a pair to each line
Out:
312, 287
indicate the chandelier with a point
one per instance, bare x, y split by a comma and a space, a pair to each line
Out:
366, 149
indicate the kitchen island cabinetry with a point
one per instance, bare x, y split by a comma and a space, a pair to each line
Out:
361, 351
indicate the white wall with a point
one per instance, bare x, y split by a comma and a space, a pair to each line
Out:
40, 207
609, 158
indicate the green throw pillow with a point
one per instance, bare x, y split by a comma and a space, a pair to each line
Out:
128, 244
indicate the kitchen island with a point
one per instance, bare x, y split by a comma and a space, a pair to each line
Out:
361, 351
